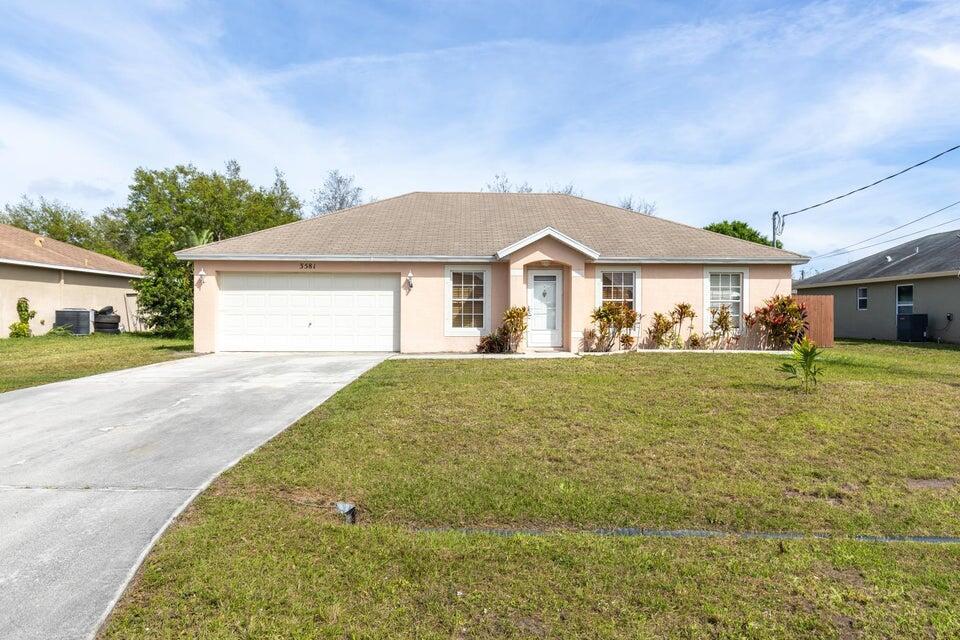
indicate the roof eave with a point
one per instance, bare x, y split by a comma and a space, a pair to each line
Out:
260, 257
904, 276
63, 267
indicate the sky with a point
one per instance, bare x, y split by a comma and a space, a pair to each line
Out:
710, 109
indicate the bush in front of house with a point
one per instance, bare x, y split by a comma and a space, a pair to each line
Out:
614, 323
779, 322
21, 328
507, 337
721, 327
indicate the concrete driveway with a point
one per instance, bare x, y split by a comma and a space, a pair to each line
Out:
92, 470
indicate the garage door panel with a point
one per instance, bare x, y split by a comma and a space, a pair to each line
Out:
309, 312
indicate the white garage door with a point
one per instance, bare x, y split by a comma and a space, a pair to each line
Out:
309, 312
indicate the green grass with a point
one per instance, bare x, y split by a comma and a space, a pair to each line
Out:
28, 362
647, 440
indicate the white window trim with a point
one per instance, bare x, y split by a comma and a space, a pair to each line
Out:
621, 268
866, 297
745, 306
448, 328
896, 298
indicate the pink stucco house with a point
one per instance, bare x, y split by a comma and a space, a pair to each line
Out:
432, 272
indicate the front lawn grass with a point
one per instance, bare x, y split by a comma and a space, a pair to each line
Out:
27, 362
645, 440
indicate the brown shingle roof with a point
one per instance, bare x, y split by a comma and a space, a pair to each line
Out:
18, 245
480, 224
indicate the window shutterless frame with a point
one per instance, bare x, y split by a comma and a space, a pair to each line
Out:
473, 294
863, 300
905, 301
730, 287
606, 290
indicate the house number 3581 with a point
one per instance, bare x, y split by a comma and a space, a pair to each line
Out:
307, 265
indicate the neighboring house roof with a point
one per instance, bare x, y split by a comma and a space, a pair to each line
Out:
930, 256
479, 226
26, 248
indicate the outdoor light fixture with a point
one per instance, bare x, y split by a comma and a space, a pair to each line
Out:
349, 511
410, 280
200, 277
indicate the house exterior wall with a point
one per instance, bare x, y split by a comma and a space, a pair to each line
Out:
935, 297
422, 308
52, 289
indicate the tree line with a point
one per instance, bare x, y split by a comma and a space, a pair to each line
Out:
170, 209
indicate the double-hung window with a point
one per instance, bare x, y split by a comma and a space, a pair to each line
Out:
862, 300
726, 290
467, 300
904, 298
619, 286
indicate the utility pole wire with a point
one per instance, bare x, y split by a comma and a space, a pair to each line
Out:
872, 184
905, 224
877, 244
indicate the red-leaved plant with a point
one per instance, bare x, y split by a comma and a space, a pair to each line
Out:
780, 322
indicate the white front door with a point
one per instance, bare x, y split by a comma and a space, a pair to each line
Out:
545, 299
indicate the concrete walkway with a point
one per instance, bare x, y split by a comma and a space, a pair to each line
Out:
92, 470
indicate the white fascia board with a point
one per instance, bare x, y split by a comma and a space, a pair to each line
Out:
553, 233
331, 258
61, 267
699, 260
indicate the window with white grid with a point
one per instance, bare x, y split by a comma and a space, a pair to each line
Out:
467, 299
726, 289
618, 286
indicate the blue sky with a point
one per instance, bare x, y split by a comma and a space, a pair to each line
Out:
710, 109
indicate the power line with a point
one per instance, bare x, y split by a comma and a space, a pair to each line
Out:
872, 184
905, 224
877, 244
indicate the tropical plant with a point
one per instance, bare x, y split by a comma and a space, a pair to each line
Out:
514, 326
627, 341
781, 321
508, 335
721, 326
495, 342
695, 341
803, 365
21, 328
681, 311
613, 320
659, 330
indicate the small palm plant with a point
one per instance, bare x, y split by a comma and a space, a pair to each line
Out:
803, 365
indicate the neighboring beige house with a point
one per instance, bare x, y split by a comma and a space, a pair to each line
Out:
55, 275
920, 276
432, 272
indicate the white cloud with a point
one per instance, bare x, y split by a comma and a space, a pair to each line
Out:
728, 117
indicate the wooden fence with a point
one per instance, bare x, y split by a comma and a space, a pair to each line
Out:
820, 318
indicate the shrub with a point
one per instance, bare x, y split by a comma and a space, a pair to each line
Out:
804, 366
508, 335
514, 326
496, 342
695, 341
681, 311
659, 330
21, 328
721, 326
613, 321
781, 321
627, 341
